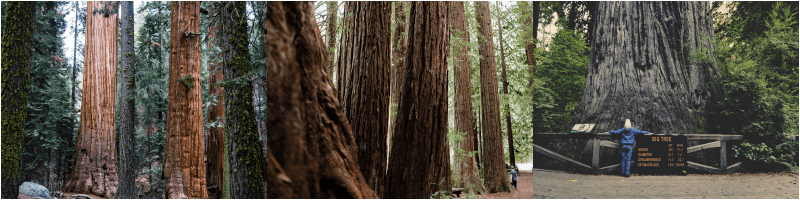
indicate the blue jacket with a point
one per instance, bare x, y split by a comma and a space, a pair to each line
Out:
627, 136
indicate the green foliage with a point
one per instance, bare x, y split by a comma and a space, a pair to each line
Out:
757, 86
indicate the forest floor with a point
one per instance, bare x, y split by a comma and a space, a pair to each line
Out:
559, 185
524, 188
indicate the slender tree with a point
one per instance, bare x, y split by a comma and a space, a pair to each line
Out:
363, 77
241, 137
639, 67
398, 54
184, 167
531, 26
311, 151
495, 177
16, 55
465, 171
126, 167
420, 162
216, 136
333, 8
509, 133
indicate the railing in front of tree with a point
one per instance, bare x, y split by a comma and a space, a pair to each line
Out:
719, 141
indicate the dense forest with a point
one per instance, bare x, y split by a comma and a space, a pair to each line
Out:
127, 100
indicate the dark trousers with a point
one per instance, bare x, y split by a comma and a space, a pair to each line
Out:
514, 183
626, 158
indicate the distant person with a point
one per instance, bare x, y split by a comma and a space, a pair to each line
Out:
514, 177
627, 140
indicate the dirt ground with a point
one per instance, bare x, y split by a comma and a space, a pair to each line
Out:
560, 185
524, 188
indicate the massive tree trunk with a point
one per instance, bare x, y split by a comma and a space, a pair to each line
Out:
398, 54
363, 79
184, 165
639, 67
216, 134
127, 167
311, 150
333, 10
509, 133
495, 177
15, 60
94, 169
465, 170
420, 162
241, 137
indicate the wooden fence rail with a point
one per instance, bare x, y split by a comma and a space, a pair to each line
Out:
601, 140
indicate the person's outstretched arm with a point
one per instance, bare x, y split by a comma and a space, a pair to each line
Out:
638, 132
616, 131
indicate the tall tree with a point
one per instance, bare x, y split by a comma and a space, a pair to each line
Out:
398, 54
495, 177
16, 55
420, 162
363, 83
509, 133
216, 136
94, 169
646, 76
184, 168
311, 150
333, 10
465, 170
241, 137
127, 166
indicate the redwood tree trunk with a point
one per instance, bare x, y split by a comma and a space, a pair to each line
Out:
216, 136
127, 167
241, 137
16, 83
94, 169
495, 177
398, 55
364, 85
532, 25
184, 165
420, 162
465, 170
505, 91
311, 151
333, 9
637, 71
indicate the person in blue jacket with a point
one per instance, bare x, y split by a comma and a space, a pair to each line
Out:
626, 148
514, 177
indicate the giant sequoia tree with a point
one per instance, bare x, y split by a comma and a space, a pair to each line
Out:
311, 151
216, 134
127, 167
17, 27
242, 148
465, 170
95, 167
363, 84
493, 159
184, 165
640, 67
419, 165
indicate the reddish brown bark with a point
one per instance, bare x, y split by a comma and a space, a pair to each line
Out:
216, 136
532, 26
333, 8
94, 170
184, 167
311, 147
465, 170
398, 54
419, 165
363, 79
509, 133
495, 177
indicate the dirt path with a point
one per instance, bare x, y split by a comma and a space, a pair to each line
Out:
555, 184
524, 188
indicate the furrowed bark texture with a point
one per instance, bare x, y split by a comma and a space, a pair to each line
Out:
639, 67
243, 148
495, 177
363, 79
184, 165
333, 10
216, 135
311, 151
420, 162
509, 133
465, 170
126, 167
16, 83
94, 169
398, 55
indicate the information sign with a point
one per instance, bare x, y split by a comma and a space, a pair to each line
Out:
659, 154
